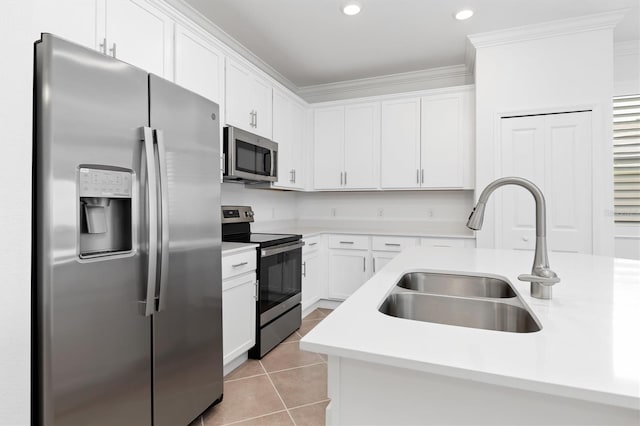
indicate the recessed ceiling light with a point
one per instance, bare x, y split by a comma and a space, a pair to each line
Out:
351, 8
464, 14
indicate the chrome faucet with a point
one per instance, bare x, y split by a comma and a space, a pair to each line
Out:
541, 277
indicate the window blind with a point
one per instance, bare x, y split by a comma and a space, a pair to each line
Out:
626, 158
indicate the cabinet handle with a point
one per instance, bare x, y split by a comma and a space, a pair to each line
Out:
292, 179
392, 244
418, 176
364, 264
312, 244
345, 178
113, 50
103, 46
341, 173
251, 115
257, 295
237, 265
374, 265
304, 269
440, 245
256, 116
346, 242
422, 176
294, 175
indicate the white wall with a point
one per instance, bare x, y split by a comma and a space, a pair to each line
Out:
626, 68
15, 209
564, 72
430, 206
268, 205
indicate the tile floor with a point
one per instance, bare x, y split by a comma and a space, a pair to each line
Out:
286, 387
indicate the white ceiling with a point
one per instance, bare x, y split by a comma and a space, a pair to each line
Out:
311, 42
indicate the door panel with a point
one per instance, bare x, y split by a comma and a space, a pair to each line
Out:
400, 144
141, 33
187, 333
553, 151
348, 271
361, 136
441, 135
328, 147
92, 343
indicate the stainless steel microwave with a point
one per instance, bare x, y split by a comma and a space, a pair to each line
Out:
249, 157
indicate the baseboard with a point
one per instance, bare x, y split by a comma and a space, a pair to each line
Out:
321, 303
235, 363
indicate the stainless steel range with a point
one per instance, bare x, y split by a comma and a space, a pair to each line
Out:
278, 310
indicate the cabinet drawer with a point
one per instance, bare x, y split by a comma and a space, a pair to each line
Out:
237, 264
442, 242
349, 242
311, 244
392, 243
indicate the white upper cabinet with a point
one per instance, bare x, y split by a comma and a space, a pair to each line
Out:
199, 64
139, 33
78, 27
441, 156
248, 100
361, 143
400, 144
288, 133
328, 148
345, 143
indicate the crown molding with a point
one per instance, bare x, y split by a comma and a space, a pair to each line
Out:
470, 56
201, 20
598, 21
408, 81
625, 48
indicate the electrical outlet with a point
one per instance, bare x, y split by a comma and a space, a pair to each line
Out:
380, 212
333, 211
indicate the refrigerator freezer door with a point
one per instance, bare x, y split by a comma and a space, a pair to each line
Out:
187, 329
92, 351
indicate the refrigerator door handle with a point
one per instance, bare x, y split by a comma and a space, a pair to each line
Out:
152, 221
164, 221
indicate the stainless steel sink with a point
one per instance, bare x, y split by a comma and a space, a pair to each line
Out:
456, 285
460, 311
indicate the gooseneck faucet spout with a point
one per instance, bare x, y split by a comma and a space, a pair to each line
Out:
541, 277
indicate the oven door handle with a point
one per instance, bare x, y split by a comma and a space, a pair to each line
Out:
281, 248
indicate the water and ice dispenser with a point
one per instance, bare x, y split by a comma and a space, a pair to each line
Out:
105, 211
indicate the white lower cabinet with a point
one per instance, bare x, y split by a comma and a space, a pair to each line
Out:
380, 258
238, 316
311, 279
348, 270
239, 293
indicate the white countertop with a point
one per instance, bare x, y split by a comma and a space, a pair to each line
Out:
588, 348
233, 248
310, 228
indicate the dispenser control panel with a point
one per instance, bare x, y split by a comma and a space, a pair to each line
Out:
104, 183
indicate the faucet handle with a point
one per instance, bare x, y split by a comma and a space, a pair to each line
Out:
538, 279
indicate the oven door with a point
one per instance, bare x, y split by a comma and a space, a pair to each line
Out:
280, 281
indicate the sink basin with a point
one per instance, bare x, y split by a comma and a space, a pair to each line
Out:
456, 285
475, 313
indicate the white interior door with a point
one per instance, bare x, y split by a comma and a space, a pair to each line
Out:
554, 152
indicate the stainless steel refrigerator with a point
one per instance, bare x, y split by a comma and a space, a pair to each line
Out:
126, 244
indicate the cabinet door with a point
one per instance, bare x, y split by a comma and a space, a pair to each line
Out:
442, 156
297, 145
78, 26
328, 148
262, 98
311, 291
238, 316
381, 259
400, 144
347, 272
198, 64
238, 96
139, 34
361, 138
283, 136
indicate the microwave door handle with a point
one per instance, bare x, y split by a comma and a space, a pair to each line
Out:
164, 221
152, 221
273, 154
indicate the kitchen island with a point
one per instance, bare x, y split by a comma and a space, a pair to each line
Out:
582, 367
